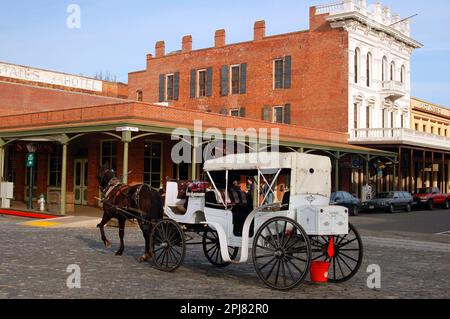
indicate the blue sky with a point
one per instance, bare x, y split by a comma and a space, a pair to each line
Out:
116, 35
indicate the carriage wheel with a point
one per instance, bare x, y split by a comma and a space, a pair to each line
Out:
211, 248
347, 258
168, 244
281, 253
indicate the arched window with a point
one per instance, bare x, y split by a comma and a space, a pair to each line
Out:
357, 62
139, 96
369, 69
384, 69
403, 74
392, 71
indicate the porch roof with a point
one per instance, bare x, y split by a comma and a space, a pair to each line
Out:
163, 120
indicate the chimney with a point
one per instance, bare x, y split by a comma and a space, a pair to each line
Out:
220, 38
260, 30
187, 43
160, 49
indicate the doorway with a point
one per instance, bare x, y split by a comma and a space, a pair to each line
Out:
81, 181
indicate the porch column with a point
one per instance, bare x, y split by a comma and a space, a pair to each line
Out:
412, 170
194, 157
336, 173
400, 170
442, 187
432, 170
394, 174
126, 139
367, 179
64, 178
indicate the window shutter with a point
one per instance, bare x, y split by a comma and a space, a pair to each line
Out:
193, 83
209, 78
243, 84
224, 81
223, 111
176, 86
287, 114
266, 113
162, 89
242, 112
287, 72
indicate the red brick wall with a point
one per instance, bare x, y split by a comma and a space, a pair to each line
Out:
19, 99
319, 91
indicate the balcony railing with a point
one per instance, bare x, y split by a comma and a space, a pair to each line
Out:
394, 89
399, 136
330, 8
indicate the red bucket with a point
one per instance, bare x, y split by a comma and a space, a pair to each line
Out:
319, 271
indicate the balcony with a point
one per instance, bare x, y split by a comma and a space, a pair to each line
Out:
398, 136
393, 90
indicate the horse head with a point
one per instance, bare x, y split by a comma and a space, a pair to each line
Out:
105, 175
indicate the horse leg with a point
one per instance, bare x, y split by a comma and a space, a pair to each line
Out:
101, 226
122, 223
146, 231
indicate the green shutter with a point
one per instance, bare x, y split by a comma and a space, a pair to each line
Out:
266, 113
193, 83
287, 114
242, 112
224, 81
223, 111
209, 79
243, 84
162, 89
287, 72
176, 86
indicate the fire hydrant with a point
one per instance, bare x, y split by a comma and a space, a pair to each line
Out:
41, 203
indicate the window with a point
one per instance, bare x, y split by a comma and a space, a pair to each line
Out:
278, 114
153, 164
202, 78
235, 79
170, 87
383, 120
432, 130
279, 73
54, 167
403, 121
439, 131
355, 115
12, 164
368, 70
234, 113
403, 74
384, 69
139, 96
392, 71
445, 132
424, 128
392, 120
109, 154
416, 126
357, 62
368, 109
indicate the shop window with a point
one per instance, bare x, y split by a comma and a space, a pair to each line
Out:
109, 154
11, 164
54, 167
153, 164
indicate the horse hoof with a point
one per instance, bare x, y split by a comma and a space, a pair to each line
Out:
144, 258
108, 244
119, 253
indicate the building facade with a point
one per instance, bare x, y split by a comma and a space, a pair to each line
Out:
339, 89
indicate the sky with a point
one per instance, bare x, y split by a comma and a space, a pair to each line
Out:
116, 35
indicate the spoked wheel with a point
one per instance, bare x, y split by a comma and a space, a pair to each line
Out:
281, 253
346, 257
211, 248
169, 245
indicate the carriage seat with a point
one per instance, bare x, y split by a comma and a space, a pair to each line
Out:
235, 198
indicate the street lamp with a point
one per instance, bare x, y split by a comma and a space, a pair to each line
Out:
31, 162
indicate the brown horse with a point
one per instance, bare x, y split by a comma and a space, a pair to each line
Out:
124, 202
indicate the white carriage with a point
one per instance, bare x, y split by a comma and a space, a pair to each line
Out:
284, 219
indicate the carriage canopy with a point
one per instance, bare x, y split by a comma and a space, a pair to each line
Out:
310, 174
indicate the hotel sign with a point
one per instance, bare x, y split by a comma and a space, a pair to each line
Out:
429, 108
54, 78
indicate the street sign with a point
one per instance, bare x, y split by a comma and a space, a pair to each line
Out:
31, 159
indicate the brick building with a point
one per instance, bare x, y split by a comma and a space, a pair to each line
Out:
308, 84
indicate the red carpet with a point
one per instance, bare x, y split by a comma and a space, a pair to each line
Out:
26, 214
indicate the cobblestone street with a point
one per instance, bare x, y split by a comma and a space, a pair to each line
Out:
34, 261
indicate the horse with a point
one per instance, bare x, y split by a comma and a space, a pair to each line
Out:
124, 202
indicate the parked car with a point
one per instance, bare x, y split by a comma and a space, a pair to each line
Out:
347, 200
430, 197
390, 202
